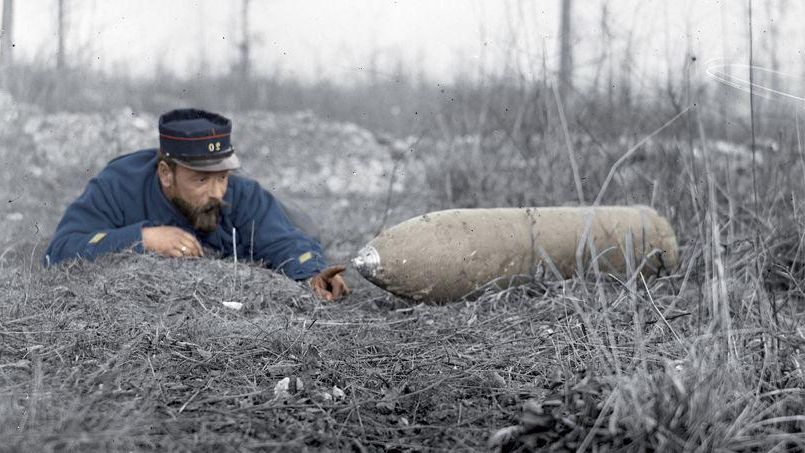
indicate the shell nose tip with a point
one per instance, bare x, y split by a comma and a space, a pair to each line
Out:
357, 262
367, 262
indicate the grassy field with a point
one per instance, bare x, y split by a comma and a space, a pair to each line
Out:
139, 353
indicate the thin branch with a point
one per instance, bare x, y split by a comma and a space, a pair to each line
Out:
573, 164
632, 150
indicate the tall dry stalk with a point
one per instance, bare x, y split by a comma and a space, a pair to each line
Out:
752, 111
573, 164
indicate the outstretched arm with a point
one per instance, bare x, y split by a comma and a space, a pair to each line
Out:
277, 241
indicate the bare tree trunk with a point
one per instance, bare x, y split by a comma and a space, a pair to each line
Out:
722, 102
626, 72
606, 37
674, 97
374, 67
245, 45
60, 52
690, 68
603, 49
7, 34
545, 115
774, 34
566, 50
776, 11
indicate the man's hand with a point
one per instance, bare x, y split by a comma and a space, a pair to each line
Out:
328, 284
171, 241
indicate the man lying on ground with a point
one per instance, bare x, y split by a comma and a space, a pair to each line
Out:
181, 198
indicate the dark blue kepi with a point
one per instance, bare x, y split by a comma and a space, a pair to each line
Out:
198, 140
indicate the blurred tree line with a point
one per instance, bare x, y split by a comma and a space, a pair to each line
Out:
405, 102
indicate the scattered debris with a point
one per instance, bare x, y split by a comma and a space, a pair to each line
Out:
287, 387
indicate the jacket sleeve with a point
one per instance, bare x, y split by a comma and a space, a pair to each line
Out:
93, 225
277, 241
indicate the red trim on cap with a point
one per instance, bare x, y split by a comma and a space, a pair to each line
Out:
192, 139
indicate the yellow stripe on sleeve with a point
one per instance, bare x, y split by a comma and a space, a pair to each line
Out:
97, 238
304, 257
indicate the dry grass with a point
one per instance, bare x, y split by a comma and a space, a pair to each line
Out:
138, 353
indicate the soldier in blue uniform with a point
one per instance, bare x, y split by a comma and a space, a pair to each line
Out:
181, 198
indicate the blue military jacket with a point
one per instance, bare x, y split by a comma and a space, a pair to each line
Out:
126, 196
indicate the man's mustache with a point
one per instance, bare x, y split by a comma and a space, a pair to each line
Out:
203, 218
211, 206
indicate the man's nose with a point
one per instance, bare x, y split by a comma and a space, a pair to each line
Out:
217, 189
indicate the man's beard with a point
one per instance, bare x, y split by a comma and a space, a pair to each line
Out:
205, 218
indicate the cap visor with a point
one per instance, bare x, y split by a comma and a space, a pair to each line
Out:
230, 163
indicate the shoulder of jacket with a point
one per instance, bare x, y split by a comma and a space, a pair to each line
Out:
243, 185
140, 156
128, 167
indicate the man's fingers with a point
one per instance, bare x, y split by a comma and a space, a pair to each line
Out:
199, 248
189, 243
194, 247
332, 271
187, 248
322, 293
319, 286
339, 287
329, 279
171, 241
338, 290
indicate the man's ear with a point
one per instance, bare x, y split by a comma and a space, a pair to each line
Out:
166, 175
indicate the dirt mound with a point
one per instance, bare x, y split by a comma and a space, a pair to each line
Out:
139, 352
150, 281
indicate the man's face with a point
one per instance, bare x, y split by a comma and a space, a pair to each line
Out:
198, 195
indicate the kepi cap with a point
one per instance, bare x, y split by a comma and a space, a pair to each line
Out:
197, 140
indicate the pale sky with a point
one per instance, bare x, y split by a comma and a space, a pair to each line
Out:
341, 39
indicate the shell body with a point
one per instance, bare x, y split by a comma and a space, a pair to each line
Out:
446, 255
